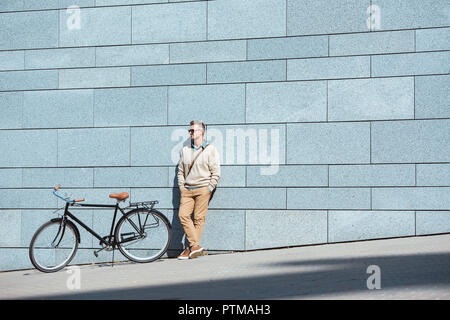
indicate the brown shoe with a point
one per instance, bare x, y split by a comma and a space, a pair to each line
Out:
185, 254
195, 251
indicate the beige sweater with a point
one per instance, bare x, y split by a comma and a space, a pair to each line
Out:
206, 169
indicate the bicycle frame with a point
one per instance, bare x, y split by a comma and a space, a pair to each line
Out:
111, 233
146, 204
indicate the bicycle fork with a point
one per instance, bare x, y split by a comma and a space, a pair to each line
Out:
62, 226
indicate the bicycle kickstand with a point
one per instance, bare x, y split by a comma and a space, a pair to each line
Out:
96, 255
96, 252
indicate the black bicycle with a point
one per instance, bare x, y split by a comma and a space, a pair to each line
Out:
142, 234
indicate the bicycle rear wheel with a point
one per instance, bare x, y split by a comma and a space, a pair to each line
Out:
52, 246
143, 235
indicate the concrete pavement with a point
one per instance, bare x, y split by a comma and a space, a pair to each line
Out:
402, 268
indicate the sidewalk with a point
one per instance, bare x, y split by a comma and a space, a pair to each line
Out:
410, 268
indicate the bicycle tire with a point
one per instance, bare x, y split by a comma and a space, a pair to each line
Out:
123, 228
69, 232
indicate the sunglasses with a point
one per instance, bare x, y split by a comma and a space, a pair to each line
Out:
192, 130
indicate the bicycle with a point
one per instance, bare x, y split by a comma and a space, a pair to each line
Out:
142, 234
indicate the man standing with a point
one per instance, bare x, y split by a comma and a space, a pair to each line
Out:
198, 175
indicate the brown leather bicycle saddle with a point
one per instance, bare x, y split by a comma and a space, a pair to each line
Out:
119, 196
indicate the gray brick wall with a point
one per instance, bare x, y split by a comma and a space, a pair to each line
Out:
332, 125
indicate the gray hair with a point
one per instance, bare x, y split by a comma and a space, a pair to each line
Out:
198, 122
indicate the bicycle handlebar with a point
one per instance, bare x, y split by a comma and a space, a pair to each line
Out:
65, 199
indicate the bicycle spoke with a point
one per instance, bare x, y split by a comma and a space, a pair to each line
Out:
45, 255
144, 245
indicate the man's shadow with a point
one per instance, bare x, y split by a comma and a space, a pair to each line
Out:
179, 241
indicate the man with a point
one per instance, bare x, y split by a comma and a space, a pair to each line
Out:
196, 183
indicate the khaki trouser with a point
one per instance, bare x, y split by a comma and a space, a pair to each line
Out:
193, 200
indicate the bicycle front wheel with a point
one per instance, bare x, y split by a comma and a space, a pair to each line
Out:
143, 235
53, 246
